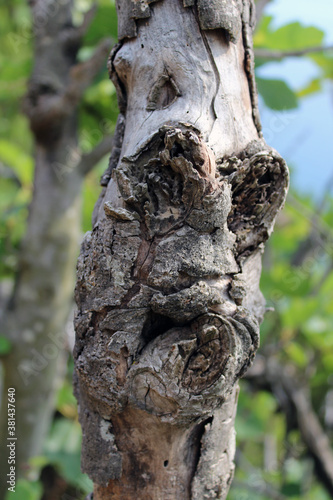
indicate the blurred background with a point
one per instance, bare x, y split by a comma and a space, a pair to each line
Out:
285, 414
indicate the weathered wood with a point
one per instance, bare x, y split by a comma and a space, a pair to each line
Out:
168, 280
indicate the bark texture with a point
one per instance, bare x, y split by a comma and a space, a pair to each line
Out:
35, 318
168, 279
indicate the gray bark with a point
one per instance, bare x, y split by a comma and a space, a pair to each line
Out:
168, 279
35, 318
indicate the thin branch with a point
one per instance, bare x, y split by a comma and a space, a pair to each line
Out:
312, 432
83, 74
325, 276
49, 100
89, 160
294, 399
320, 234
61, 103
74, 34
87, 20
280, 54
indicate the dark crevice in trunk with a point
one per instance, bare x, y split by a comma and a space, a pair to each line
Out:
195, 447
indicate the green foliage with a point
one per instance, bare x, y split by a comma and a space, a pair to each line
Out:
17, 159
5, 345
103, 25
276, 94
15, 138
292, 36
66, 403
63, 449
315, 85
299, 333
26, 490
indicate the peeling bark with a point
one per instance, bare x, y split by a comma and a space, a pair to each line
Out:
168, 279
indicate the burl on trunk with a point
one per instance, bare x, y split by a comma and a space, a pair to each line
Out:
168, 279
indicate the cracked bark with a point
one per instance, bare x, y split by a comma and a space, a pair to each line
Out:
168, 279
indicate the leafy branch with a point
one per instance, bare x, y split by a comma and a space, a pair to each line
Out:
280, 54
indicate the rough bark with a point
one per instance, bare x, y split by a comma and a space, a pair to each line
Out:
36, 315
168, 279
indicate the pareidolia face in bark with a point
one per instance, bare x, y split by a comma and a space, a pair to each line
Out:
168, 280
173, 320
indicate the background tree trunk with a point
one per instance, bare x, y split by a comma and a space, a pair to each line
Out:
168, 280
36, 315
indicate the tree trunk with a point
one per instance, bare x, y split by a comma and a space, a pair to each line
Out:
36, 316
168, 280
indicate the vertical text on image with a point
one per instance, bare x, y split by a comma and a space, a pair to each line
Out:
11, 440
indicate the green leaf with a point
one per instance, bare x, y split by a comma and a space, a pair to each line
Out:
292, 36
300, 310
318, 492
311, 88
91, 190
65, 436
276, 94
12, 155
5, 345
249, 428
103, 25
63, 450
66, 402
262, 32
297, 354
292, 490
325, 61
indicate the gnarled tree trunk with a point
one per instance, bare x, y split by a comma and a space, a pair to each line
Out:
168, 280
